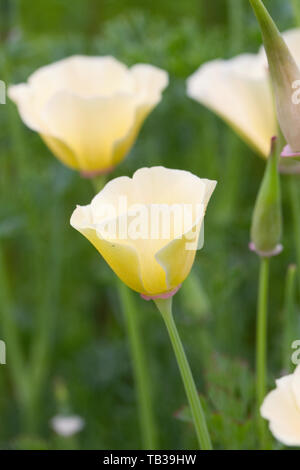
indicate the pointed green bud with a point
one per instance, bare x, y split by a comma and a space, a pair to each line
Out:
266, 226
285, 78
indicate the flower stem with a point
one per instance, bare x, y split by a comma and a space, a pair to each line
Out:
139, 364
295, 207
10, 336
165, 308
261, 342
138, 357
289, 318
45, 322
296, 9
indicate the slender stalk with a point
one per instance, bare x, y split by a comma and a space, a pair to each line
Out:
236, 17
165, 307
289, 318
138, 356
261, 344
233, 161
139, 364
41, 344
296, 9
293, 183
10, 336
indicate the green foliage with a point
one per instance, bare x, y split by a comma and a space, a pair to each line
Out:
229, 403
51, 268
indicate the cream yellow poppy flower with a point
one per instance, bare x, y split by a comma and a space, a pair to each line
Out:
89, 110
134, 224
238, 90
282, 408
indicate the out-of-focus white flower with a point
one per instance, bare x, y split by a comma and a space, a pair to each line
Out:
89, 110
238, 90
66, 426
282, 408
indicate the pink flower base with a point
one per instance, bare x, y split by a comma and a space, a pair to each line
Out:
165, 295
266, 254
94, 173
288, 152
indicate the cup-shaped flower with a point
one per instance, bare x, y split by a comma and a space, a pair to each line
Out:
238, 90
282, 408
147, 227
285, 76
89, 110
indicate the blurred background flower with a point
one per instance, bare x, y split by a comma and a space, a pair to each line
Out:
281, 408
89, 109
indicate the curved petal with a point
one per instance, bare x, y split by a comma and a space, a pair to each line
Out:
177, 257
149, 82
280, 408
84, 76
61, 150
158, 191
238, 90
122, 258
296, 385
90, 127
22, 96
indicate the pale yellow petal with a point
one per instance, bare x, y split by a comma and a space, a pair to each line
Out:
90, 127
280, 408
62, 151
238, 90
84, 76
122, 258
23, 97
177, 257
149, 83
296, 385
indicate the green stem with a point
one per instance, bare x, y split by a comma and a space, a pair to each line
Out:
289, 318
165, 307
236, 16
15, 361
296, 9
233, 161
41, 345
295, 207
140, 369
261, 344
138, 357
